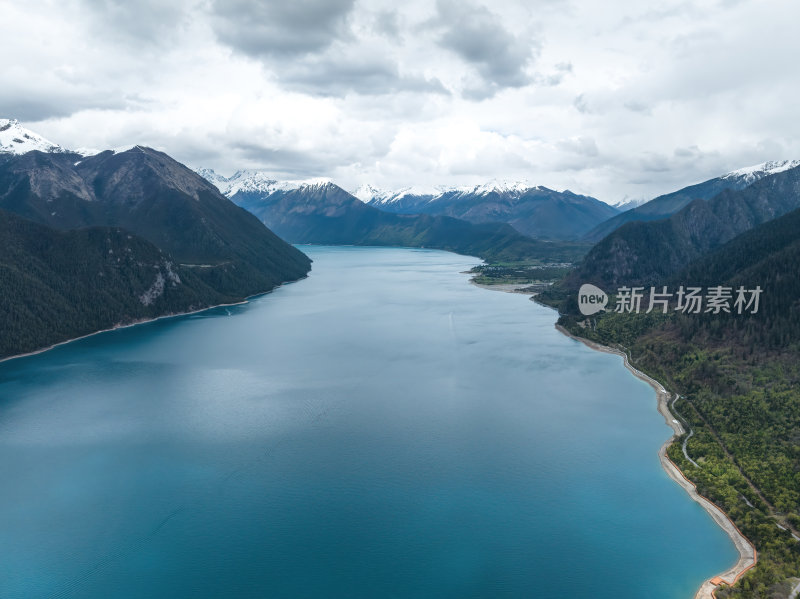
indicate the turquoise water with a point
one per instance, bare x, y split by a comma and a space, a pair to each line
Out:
381, 429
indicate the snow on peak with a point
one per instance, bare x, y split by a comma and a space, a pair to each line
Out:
753, 173
368, 193
255, 181
16, 139
127, 148
627, 203
422, 191
251, 181
496, 186
389, 197
314, 182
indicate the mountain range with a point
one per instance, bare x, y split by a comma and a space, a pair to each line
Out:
535, 211
666, 205
320, 212
648, 252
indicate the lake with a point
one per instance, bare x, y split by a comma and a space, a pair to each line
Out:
380, 429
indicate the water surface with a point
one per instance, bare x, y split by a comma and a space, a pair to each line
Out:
381, 429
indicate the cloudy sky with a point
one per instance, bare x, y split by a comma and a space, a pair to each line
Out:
617, 99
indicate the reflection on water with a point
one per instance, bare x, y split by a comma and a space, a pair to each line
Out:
381, 429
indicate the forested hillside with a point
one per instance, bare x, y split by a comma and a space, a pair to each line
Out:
648, 252
120, 237
57, 285
738, 378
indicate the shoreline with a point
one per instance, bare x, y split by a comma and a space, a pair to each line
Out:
747, 552
519, 288
748, 555
117, 327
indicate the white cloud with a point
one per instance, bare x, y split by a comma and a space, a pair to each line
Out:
619, 99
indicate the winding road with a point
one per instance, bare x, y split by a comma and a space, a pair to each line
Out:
747, 552
686, 426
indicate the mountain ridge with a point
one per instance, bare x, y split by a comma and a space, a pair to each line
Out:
533, 210
645, 253
668, 204
321, 212
62, 284
209, 250
16, 139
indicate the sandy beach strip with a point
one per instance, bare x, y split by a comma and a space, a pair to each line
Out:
747, 552
505, 287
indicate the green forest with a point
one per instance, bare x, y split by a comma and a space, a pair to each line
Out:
738, 378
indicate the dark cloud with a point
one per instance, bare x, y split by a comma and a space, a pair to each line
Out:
479, 37
330, 75
690, 152
33, 109
478, 93
28, 103
285, 162
146, 23
280, 29
654, 162
289, 163
308, 46
640, 107
387, 23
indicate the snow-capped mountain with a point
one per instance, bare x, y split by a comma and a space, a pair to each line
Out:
414, 193
368, 193
628, 203
319, 211
377, 196
532, 209
16, 139
251, 181
668, 204
695, 235
499, 186
751, 174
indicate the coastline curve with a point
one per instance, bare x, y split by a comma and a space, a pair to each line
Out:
748, 556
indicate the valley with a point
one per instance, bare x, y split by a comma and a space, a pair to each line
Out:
121, 237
